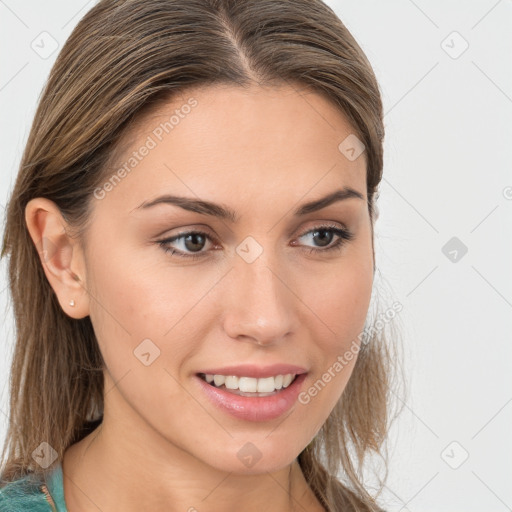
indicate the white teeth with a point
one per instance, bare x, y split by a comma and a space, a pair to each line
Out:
248, 384
218, 379
231, 382
251, 384
266, 385
287, 380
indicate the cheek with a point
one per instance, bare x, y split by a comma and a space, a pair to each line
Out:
140, 298
341, 302
340, 294
343, 307
140, 323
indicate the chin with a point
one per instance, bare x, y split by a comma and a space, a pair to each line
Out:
253, 458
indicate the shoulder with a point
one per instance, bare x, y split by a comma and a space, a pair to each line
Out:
23, 494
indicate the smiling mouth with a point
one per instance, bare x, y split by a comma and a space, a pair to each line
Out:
250, 386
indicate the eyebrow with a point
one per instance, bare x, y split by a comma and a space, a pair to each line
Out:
223, 212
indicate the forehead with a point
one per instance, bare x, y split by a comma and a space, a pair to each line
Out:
226, 140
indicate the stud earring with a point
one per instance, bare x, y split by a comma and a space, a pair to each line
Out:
71, 302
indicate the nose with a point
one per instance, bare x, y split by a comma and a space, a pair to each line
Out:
259, 306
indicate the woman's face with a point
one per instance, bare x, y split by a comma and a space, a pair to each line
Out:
259, 285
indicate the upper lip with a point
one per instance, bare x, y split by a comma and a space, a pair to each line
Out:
251, 370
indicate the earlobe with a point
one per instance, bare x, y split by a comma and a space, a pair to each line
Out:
60, 255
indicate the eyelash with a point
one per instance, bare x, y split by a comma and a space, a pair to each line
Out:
343, 234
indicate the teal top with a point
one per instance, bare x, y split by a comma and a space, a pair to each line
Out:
34, 494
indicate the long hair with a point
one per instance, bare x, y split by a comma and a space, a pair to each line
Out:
123, 59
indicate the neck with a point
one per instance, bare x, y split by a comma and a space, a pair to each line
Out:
116, 468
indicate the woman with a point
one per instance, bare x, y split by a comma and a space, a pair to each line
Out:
192, 264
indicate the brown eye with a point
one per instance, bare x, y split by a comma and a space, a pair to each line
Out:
323, 236
192, 241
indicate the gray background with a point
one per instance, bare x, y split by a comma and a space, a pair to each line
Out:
448, 161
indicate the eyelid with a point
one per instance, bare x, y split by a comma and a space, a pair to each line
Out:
342, 233
320, 223
206, 230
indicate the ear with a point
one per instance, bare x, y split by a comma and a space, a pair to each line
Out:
61, 255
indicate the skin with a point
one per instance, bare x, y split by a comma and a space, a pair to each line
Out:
262, 152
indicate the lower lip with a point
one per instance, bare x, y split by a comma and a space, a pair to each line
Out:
254, 408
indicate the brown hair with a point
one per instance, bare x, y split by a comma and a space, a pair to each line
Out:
121, 60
